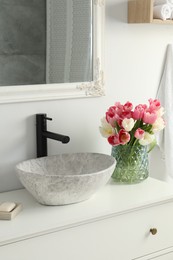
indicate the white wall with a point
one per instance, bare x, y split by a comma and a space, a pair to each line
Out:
134, 56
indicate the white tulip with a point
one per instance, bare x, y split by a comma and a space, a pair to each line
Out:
128, 124
160, 112
106, 129
158, 125
147, 139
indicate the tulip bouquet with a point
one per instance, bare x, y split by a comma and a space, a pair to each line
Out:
124, 126
131, 132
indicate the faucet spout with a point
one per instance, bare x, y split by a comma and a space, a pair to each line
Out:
62, 138
43, 134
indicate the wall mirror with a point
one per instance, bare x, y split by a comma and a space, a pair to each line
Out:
51, 49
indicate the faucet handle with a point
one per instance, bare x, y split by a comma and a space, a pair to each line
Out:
48, 118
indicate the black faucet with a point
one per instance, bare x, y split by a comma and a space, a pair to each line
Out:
43, 134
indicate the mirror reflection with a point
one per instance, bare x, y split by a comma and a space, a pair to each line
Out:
45, 41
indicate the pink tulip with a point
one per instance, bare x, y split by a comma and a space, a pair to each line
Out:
139, 112
114, 140
111, 112
139, 133
126, 114
124, 136
110, 116
154, 105
128, 106
149, 118
118, 107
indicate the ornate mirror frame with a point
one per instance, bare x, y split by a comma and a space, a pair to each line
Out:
26, 93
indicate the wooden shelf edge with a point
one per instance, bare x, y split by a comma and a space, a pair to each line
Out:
159, 21
141, 11
155, 21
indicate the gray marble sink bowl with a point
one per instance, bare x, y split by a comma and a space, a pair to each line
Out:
67, 178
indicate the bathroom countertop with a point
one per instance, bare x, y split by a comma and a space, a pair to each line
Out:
113, 199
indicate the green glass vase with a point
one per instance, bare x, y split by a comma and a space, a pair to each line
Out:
132, 163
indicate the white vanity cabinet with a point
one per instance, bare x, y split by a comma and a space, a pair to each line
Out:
115, 224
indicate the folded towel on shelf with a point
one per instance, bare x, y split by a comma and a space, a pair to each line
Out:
165, 95
162, 12
162, 2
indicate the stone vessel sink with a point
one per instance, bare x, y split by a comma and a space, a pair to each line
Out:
67, 178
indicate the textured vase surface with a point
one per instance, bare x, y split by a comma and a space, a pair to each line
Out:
132, 163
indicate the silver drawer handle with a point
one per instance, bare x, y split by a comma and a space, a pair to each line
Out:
153, 231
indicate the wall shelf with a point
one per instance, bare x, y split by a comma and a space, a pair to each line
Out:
141, 11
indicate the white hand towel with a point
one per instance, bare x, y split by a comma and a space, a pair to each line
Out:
162, 12
165, 95
162, 2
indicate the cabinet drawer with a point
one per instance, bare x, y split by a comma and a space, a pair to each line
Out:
166, 254
123, 237
139, 239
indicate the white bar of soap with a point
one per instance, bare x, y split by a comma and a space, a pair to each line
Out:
7, 206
